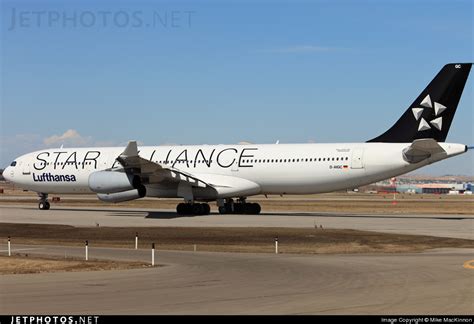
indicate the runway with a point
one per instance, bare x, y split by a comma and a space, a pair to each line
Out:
456, 226
232, 283
434, 282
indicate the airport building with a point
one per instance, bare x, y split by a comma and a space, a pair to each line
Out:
422, 188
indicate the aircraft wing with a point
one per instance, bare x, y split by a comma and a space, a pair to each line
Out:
422, 149
154, 172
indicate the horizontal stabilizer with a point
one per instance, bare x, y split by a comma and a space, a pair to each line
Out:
422, 149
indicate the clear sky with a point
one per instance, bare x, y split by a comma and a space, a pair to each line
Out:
104, 72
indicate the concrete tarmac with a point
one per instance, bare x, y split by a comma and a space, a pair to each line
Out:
456, 226
230, 283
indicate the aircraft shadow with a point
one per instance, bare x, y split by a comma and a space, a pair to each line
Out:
166, 215
171, 214
128, 213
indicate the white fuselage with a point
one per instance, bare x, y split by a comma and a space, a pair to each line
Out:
275, 168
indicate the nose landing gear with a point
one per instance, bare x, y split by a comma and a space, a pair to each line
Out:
43, 202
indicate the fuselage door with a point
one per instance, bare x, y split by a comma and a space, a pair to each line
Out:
235, 166
25, 168
357, 161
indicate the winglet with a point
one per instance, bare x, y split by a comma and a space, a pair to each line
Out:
129, 156
130, 150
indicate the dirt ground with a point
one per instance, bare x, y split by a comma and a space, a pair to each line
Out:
24, 263
291, 240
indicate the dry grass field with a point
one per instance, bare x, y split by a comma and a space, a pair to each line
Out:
24, 264
256, 240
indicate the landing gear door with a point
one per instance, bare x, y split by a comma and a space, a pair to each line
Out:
357, 160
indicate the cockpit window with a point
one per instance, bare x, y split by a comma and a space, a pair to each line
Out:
13, 164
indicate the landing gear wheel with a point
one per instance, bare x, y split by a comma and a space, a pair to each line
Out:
193, 209
44, 205
198, 209
239, 208
252, 208
256, 209
181, 209
207, 209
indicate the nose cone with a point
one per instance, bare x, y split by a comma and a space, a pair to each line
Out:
6, 174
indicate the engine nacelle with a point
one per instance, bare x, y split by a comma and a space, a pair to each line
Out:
107, 182
123, 196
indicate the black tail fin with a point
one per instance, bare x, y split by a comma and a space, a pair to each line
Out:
431, 114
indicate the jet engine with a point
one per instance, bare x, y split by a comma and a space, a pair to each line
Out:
116, 186
123, 196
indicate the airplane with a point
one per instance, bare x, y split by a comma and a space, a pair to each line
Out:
228, 174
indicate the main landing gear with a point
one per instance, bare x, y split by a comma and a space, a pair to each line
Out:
193, 209
241, 207
226, 207
43, 202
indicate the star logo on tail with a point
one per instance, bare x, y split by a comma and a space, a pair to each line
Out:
436, 122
